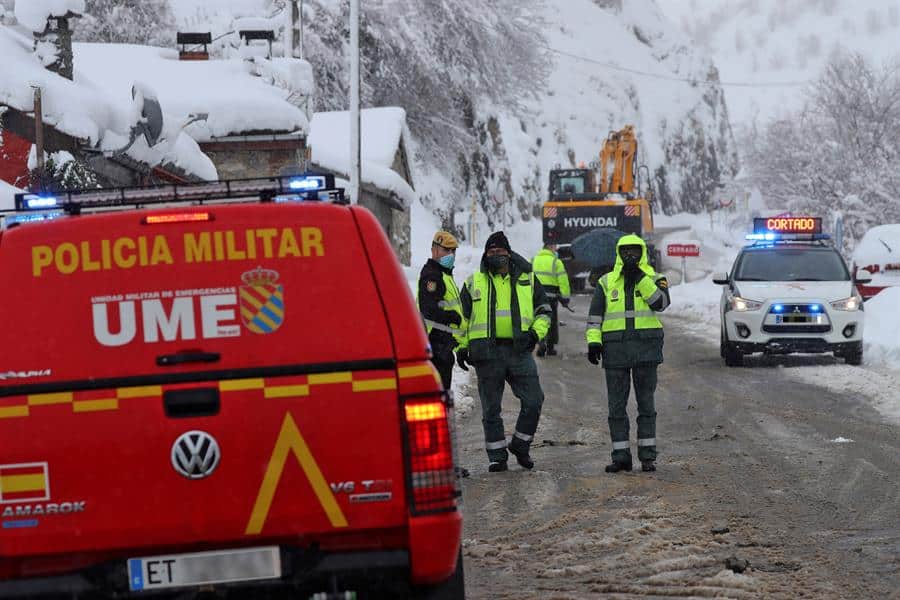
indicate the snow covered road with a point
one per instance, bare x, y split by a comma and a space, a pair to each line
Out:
753, 451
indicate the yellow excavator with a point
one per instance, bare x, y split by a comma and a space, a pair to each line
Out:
614, 193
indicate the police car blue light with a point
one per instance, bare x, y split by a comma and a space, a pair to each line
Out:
815, 308
778, 308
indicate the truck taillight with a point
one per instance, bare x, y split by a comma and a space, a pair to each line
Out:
433, 484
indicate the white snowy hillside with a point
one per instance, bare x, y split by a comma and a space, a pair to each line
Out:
783, 41
499, 92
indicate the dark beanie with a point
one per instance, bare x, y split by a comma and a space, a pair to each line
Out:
497, 240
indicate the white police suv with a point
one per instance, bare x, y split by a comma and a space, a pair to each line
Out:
790, 292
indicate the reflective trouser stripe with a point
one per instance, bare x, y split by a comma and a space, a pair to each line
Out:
621, 445
524, 436
647, 442
550, 295
495, 445
442, 327
630, 314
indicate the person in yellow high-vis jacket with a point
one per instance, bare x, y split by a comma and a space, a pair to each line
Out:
551, 272
439, 303
507, 314
624, 331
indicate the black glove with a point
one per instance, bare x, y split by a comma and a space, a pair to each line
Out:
532, 340
564, 302
455, 319
462, 358
594, 353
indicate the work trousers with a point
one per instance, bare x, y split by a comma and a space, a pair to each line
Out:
519, 370
552, 338
443, 362
618, 386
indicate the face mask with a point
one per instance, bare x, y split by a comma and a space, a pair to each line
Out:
496, 263
447, 261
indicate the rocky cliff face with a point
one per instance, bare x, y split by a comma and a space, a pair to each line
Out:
614, 64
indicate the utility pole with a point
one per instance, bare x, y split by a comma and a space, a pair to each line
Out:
39, 135
355, 158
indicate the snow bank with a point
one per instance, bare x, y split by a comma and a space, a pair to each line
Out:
381, 130
882, 332
7, 195
879, 246
34, 13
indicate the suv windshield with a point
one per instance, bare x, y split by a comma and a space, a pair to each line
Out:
791, 264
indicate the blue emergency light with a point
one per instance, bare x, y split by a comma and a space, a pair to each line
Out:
35, 202
778, 308
36, 217
310, 183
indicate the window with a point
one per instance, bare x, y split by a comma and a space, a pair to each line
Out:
791, 264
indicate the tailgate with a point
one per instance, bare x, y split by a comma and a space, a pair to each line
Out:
222, 381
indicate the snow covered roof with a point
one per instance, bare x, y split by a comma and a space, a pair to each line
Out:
879, 246
7, 195
34, 13
86, 109
381, 130
236, 101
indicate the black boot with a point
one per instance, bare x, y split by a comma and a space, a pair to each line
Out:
648, 466
523, 458
551, 350
498, 467
615, 467
542, 349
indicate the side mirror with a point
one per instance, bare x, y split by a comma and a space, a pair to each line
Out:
863, 277
720, 279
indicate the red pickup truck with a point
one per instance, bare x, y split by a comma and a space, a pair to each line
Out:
224, 394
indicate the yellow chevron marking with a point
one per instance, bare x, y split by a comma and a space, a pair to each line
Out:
8, 412
81, 406
337, 377
375, 385
44, 399
416, 371
290, 440
287, 391
240, 385
148, 391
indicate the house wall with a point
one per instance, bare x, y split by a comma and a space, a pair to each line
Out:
240, 160
14, 158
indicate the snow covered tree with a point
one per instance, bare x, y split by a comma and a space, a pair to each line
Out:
841, 152
149, 22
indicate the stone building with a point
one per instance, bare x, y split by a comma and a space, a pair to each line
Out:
387, 187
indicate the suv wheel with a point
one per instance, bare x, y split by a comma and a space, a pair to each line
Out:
854, 358
733, 357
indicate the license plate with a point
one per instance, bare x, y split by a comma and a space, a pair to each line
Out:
204, 568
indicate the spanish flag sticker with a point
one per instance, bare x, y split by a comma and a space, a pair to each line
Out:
27, 482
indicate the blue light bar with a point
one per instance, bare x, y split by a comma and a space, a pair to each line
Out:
37, 217
307, 184
35, 202
763, 237
772, 237
778, 308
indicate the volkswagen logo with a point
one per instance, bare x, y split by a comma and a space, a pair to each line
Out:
195, 454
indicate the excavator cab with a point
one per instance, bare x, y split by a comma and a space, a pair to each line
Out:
567, 184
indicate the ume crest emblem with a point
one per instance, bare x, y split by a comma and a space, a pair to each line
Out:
262, 300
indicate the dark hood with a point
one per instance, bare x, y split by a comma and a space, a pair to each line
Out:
517, 264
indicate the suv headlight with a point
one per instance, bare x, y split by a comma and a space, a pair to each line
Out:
853, 303
738, 304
